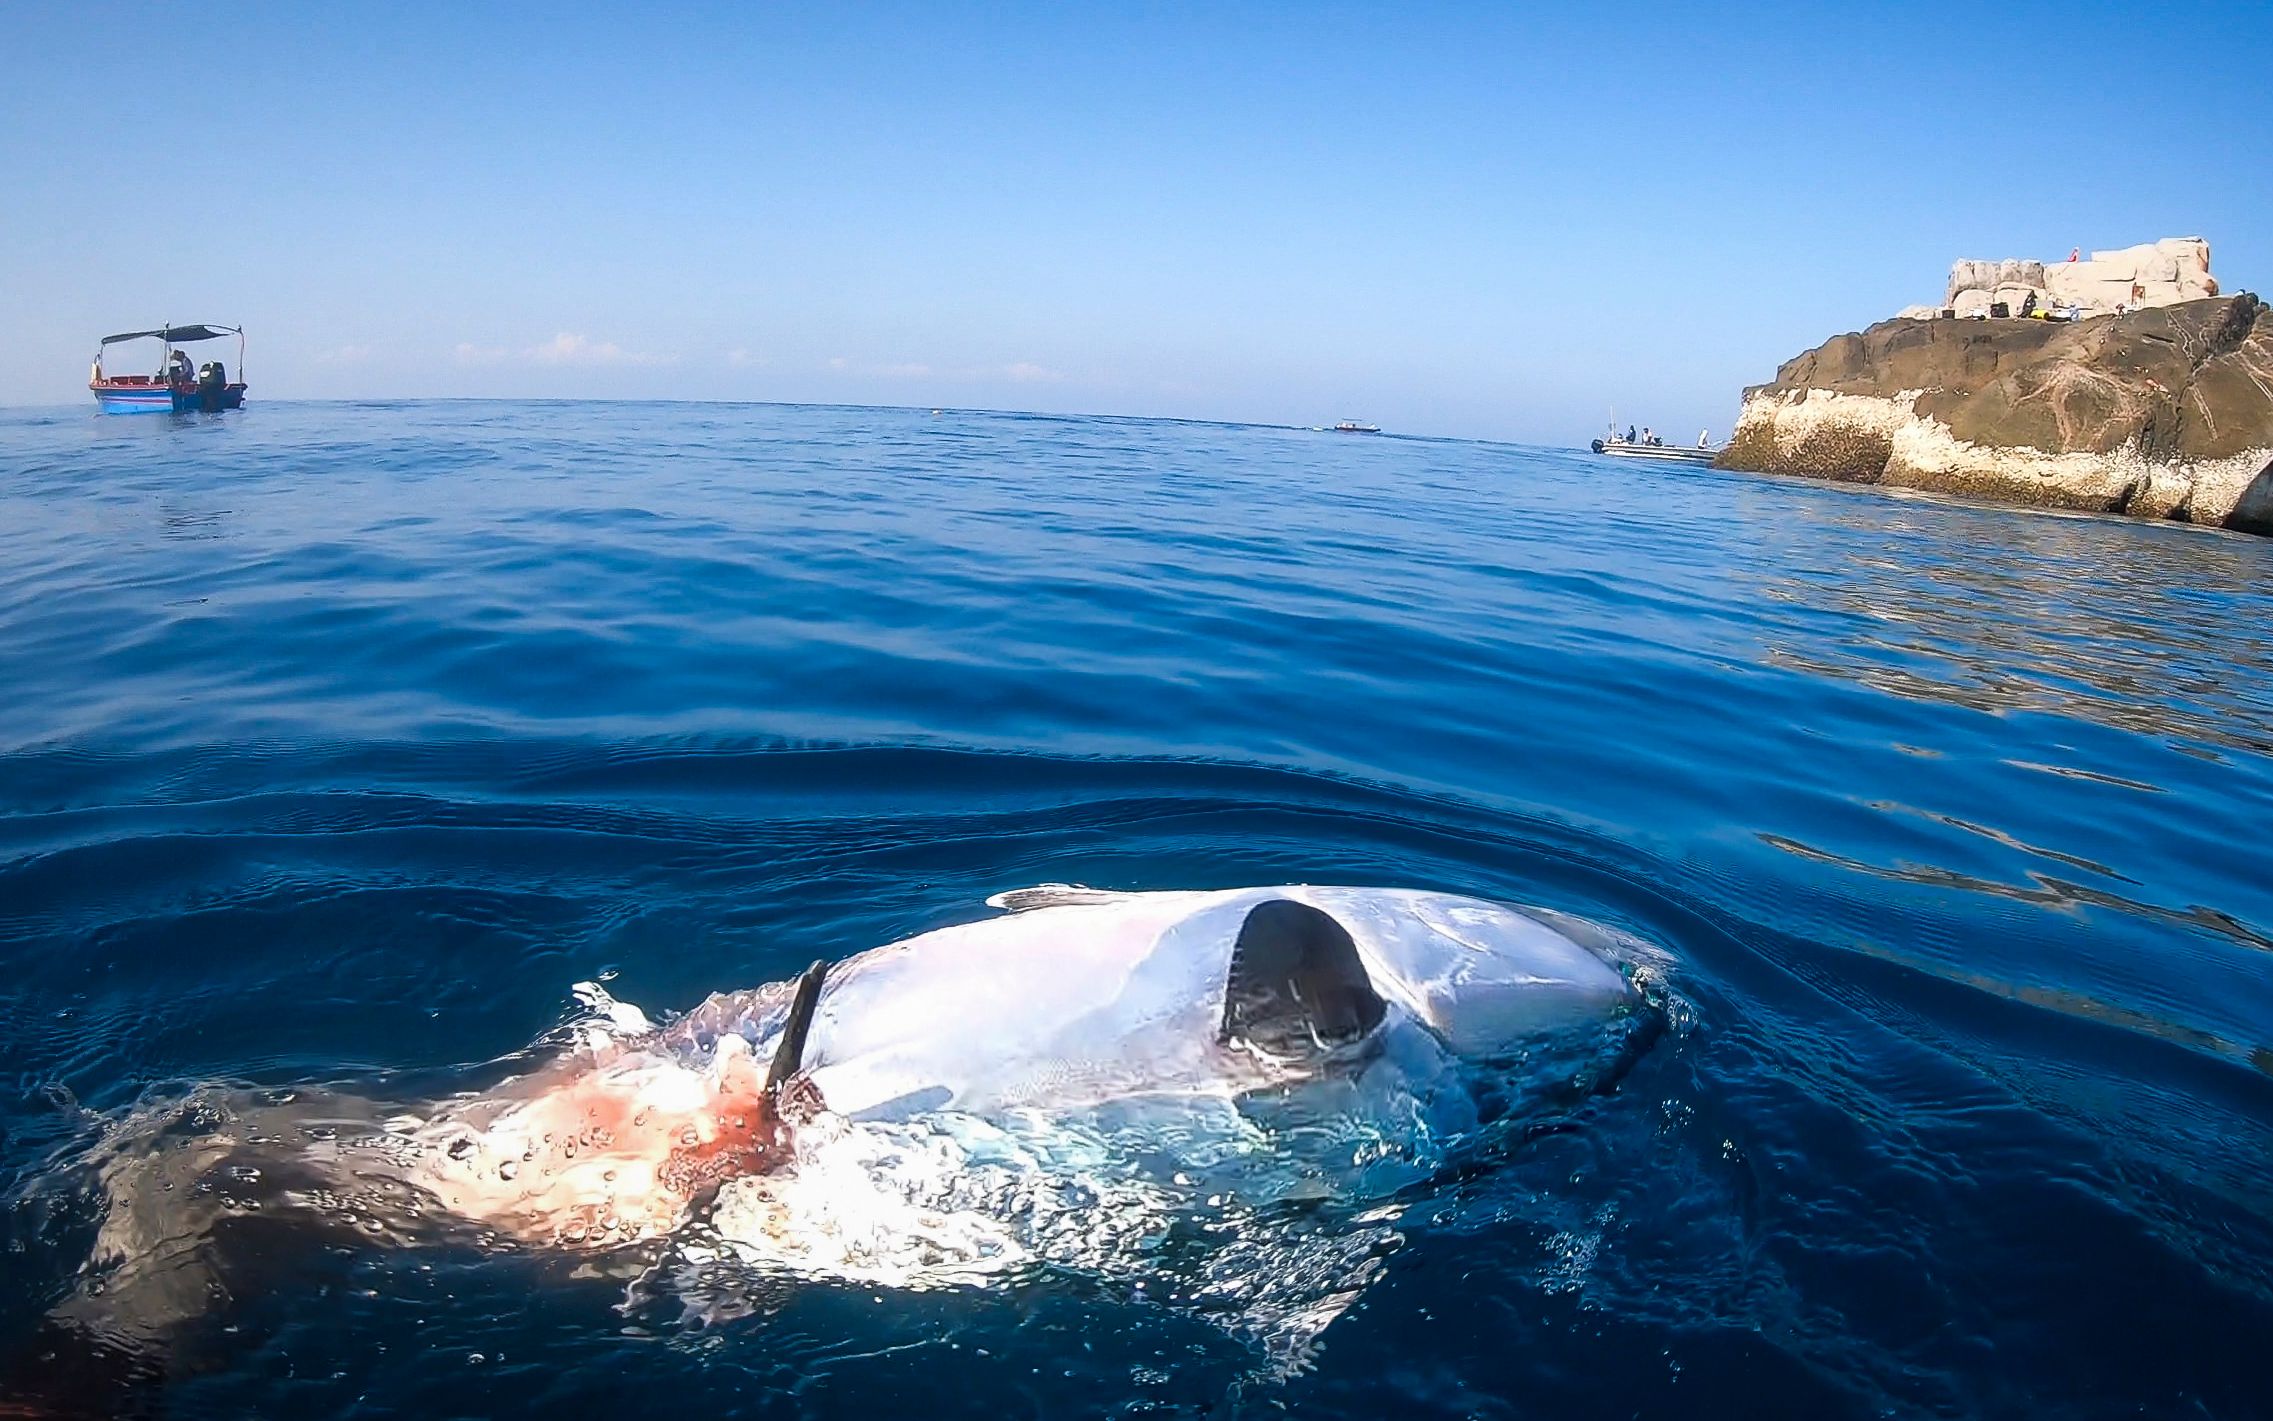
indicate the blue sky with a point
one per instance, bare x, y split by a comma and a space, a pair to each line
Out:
1470, 220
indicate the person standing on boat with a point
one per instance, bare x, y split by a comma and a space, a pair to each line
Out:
1629, 434
179, 370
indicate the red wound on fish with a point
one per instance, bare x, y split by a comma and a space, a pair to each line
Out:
750, 1140
752, 1137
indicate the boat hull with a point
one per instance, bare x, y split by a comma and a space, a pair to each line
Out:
1656, 453
163, 399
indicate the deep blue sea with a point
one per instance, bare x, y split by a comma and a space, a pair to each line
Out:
339, 741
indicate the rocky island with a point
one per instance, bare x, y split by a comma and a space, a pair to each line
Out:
2153, 397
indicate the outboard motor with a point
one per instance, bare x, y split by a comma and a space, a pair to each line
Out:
212, 385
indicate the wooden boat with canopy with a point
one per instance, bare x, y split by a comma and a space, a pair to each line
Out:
178, 387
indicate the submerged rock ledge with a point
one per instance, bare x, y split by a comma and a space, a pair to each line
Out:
2159, 413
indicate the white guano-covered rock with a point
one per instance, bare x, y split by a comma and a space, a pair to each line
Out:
2159, 273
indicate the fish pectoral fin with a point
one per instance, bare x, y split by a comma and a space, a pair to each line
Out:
1297, 988
1054, 895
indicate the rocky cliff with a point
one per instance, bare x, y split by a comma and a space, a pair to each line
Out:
2159, 413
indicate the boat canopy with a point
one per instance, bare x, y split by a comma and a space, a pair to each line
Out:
177, 335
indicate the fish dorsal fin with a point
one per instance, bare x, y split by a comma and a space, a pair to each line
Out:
1054, 895
789, 1055
1297, 986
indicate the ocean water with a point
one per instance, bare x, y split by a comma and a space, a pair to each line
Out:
339, 741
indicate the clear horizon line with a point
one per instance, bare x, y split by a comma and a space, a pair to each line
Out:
822, 404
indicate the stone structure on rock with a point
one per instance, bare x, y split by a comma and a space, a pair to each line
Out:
2162, 412
2160, 273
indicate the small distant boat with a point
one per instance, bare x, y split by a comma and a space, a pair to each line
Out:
177, 388
1662, 453
1351, 426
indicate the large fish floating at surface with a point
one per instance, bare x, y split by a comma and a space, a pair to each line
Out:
1056, 1086
1080, 995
